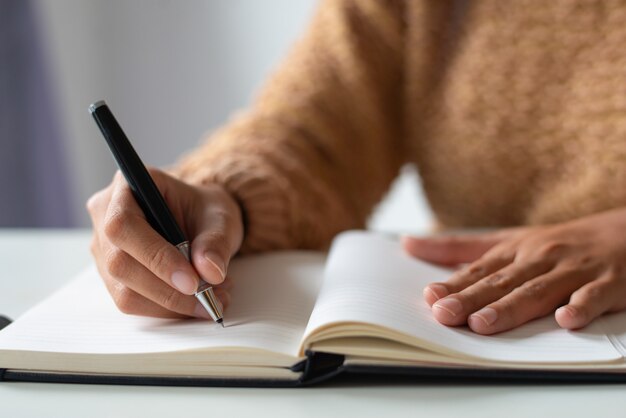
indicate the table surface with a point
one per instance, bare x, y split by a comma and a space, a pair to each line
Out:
34, 262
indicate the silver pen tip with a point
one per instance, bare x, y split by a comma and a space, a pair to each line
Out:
221, 322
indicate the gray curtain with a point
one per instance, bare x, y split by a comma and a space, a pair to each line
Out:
33, 183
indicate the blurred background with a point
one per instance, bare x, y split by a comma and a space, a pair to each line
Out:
170, 70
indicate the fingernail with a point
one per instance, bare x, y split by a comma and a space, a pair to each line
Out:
184, 283
200, 312
487, 315
570, 317
567, 310
451, 305
217, 262
439, 291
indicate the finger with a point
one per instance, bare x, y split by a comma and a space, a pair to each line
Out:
223, 297
126, 228
490, 263
125, 270
97, 204
227, 284
453, 250
535, 298
454, 309
132, 303
218, 236
145, 297
589, 302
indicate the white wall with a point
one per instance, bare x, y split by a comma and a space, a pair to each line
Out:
171, 70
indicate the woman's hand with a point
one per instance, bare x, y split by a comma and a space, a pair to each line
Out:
144, 273
519, 274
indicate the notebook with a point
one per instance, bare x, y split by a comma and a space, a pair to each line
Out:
298, 318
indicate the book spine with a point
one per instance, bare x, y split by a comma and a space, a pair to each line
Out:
319, 367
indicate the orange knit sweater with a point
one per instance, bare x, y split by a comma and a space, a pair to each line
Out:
514, 112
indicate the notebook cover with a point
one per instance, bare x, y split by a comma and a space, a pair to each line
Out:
477, 375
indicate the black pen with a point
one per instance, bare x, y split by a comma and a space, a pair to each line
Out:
148, 196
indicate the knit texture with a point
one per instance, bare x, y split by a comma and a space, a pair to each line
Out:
513, 112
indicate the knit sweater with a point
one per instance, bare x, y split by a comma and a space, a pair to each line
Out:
514, 113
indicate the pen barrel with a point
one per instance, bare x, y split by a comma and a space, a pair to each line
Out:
144, 189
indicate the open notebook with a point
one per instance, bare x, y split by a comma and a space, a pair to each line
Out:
297, 318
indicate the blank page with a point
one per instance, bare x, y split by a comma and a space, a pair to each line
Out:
272, 299
370, 279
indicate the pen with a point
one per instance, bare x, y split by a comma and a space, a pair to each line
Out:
148, 196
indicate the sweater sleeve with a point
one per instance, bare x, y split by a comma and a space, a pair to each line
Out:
322, 142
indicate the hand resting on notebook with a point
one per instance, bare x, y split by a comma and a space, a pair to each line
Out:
577, 268
144, 273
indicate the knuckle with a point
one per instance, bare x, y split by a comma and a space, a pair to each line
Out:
115, 225
551, 250
170, 300
500, 281
96, 203
158, 258
125, 300
118, 176
535, 290
117, 263
474, 270
91, 203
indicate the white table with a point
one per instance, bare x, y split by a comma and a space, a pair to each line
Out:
33, 263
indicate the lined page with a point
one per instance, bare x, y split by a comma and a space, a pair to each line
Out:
369, 279
614, 325
272, 299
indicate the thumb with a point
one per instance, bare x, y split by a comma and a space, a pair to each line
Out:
454, 249
212, 248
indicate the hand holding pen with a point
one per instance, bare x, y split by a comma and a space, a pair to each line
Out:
144, 272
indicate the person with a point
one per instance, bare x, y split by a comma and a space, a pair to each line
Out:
513, 112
